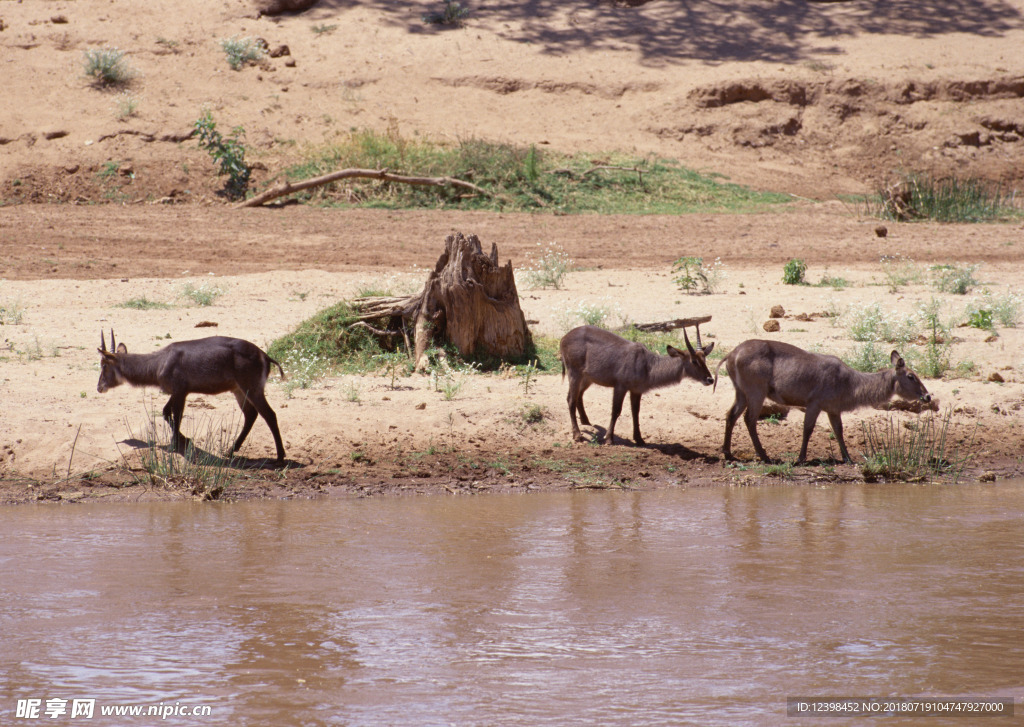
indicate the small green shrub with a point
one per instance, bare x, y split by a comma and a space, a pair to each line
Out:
107, 68
956, 279
990, 309
228, 152
202, 295
241, 51
587, 314
899, 271
451, 14
871, 323
324, 28
12, 313
533, 413
548, 270
696, 277
793, 272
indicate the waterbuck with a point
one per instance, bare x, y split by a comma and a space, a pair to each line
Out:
593, 355
793, 377
203, 366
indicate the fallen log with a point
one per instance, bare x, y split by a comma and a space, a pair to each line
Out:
665, 326
383, 175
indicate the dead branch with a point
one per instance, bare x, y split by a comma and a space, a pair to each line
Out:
382, 174
665, 326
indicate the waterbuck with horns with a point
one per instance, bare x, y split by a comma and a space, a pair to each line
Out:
592, 355
792, 376
203, 366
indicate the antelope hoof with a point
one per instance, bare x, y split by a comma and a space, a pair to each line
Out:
578, 437
640, 441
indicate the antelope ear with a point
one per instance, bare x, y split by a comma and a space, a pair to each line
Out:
107, 355
673, 351
121, 348
709, 348
897, 360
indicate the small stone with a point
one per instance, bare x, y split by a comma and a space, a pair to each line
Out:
778, 311
772, 326
995, 377
987, 477
421, 405
281, 50
881, 231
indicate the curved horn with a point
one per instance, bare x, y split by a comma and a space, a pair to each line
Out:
697, 328
689, 346
113, 346
103, 342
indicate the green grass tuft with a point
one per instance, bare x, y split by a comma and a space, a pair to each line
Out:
142, 303
107, 68
897, 452
923, 197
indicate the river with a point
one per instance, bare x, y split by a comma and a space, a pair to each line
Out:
689, 606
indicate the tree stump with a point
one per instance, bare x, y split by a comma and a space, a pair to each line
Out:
467, 299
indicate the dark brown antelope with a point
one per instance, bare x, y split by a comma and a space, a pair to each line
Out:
204, 366
592, 355
793, 377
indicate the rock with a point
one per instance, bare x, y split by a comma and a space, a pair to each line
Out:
991, 339
772, 326
206, 324
881, 231
281, 50
55, 134
995, 377
987, 477
778, 311
59, 19
421, 405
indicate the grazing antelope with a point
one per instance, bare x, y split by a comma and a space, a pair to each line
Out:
793, 377
593, 355
204, 366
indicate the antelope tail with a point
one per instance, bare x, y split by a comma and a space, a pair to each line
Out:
716, 373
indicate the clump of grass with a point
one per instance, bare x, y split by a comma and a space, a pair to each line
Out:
12, 313
533, 413
327, 343
992, 309
241, 51
871, 323
549, 269
793, 272
923, 197
201, 295
142, 303
956, 279
207, 466
324, 28
452, 13
696, 277
899, 271
920, 449
107, 68
598, 314
516, 180
833, 281
127, 105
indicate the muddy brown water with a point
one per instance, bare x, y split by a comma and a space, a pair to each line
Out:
706, 606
